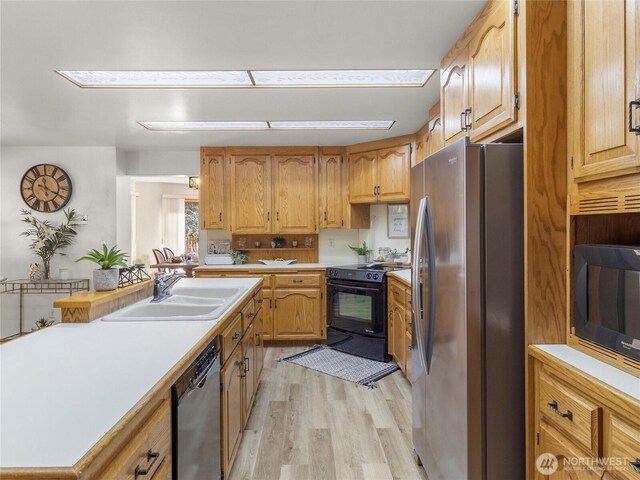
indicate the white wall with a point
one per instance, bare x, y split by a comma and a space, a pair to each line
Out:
149, 215
93, 172
163, 162
340, 253
123, 203
376, 236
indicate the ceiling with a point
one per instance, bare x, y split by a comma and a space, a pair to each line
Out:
40, 108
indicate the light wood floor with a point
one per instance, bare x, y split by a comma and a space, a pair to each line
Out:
307, 425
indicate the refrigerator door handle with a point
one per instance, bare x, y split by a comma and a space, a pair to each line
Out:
431, 261
416, 282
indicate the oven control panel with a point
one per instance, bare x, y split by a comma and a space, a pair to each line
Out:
356, 275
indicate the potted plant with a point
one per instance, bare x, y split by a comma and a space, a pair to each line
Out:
239, 257
109, 259
47, 239
279, 242
363, 252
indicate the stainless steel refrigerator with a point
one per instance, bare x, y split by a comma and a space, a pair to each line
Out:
467, 214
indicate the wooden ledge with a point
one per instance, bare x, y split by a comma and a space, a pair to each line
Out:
93, 298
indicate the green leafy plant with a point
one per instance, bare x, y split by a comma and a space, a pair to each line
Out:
43, 323
107, 258
279, 241
238, 256
363, 250
47, 239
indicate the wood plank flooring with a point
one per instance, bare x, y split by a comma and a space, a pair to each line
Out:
306, 425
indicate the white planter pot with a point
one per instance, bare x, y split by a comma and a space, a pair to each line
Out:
106, 279
362, 259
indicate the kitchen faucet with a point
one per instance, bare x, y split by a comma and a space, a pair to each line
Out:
162, 284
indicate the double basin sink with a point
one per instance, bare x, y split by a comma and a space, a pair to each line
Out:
186, 303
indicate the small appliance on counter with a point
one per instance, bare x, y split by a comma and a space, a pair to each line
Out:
357, 309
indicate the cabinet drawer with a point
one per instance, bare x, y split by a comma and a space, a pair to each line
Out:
147, 450
248, 313
570, 411
297, 281
397, 293
624, 443
231, 337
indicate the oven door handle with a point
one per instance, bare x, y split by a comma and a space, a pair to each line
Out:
347, 289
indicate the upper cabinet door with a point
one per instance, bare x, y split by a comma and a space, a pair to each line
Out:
295, 194
492, 70
363, 177
212, 192
435, 135
394, 167
422, 145
454, 98
331, 197
604, 78
250, 194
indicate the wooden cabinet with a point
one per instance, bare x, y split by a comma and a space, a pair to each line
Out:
213, 212
380, 175
590, 428
331, 191
232, 374
295, 182
248, 374
478, 79
454, 97
562, 461
250, 200
423, 146
435, 134
603, 79
293, 305
363, 177
296, 314
399, 324
492, 70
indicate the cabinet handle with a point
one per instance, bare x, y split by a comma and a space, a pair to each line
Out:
151, 459
297, 281
632, 128
246, 364
235, 336
467, 119
374, 190
462, 121
250, 315
260, 300
277, 216
276, 303
325, 215
554, 408
257, 339
220, 218
268, 216
635, 465
270, 303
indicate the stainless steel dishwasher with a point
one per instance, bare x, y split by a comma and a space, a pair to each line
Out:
196, 418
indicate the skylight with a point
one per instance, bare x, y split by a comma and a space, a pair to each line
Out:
245, 78
157, 79
279, 125
341, 78
333, 125
181, 126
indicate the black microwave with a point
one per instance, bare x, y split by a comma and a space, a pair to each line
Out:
607, 296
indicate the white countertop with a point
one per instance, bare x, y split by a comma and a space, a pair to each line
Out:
63, 388
260, 266
402, 274
604, 372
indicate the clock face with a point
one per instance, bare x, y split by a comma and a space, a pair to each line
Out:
45, 188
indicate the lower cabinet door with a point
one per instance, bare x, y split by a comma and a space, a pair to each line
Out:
259, 343
297, 314
559, 459
232, 375
267, 314
248, 376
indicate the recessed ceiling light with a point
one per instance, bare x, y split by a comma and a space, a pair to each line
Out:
245, 78
341, 78
179, 126
156, 79
333, 125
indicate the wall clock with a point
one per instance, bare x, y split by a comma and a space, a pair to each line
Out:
45, 188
